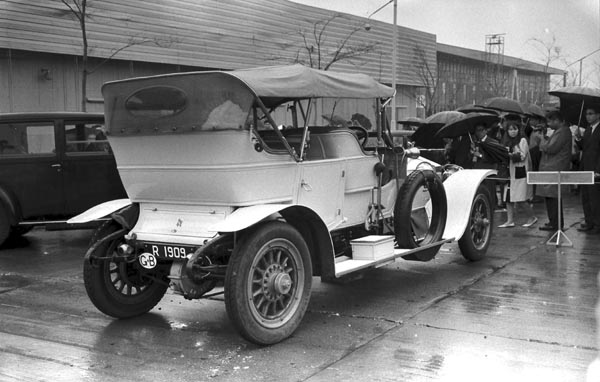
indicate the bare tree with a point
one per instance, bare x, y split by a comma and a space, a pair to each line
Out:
549, 52
429, 77
320, 51
79, 10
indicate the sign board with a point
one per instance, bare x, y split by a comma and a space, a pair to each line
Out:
560, 177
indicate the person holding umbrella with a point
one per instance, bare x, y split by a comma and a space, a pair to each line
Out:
590, 161
520, 163
556, 156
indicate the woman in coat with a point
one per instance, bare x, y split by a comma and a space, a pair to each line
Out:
556, 156
520, 163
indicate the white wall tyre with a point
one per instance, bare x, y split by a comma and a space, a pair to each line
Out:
268, 283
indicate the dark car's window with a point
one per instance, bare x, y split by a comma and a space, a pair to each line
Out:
86, 138
21, 139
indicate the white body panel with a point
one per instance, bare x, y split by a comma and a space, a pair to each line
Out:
460, 190
99, 211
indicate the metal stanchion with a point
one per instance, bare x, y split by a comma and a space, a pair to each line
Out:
559, 178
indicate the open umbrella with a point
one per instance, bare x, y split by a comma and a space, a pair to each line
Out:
466, 124
444, 117
425, 136
574, 99
534, 110
411, 121
470, 108
503, 104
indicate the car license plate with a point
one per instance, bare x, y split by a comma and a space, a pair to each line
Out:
169, 251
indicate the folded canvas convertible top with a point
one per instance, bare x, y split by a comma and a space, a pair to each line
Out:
182, 102
275, 84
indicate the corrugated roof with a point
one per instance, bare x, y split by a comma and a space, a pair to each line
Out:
510, 62
224, 34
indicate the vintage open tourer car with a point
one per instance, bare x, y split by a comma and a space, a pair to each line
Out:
249, 183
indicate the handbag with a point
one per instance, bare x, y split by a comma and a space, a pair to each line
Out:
520, 172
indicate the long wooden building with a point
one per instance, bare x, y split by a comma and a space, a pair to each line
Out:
41, 46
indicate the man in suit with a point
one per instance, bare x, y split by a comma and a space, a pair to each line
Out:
590, 161
556, 156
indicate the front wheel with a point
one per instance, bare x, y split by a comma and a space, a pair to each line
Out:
268, 282
476, 239
121, 288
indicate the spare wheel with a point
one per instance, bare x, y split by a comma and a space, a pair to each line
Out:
420, 211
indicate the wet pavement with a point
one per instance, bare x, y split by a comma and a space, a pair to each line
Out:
525, 313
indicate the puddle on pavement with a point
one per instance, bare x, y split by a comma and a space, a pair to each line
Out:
10, 281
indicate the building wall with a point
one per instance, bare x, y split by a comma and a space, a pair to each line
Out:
464, 81
226, 34
167, 35
34, 81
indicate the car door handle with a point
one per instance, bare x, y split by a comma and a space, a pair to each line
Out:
57, 166
305, 186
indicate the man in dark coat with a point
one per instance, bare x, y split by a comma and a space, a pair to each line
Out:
556, 156
590, 161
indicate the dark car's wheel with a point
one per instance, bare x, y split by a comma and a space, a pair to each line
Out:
119, 288
413, 226
4, 224
268, 282
476, 239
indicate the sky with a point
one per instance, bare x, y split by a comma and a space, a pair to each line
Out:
575, 24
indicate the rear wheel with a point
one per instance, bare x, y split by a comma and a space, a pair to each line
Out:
476, 239
120, 288
4, 224
268, 282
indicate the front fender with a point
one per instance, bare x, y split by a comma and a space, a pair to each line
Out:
99, 211
245, 217
460, 190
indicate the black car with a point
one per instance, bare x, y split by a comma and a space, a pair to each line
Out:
53, 166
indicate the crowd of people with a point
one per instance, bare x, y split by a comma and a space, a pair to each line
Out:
535, 144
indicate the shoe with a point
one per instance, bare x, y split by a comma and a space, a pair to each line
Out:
583, 227
506, 225
547, 227
530, 223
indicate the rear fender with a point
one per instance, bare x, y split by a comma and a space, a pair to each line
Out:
460, 190
306, 221
99, 211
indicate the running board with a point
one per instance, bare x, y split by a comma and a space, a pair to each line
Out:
345, 267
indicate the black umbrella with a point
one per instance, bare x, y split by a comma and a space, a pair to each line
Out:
574, 99
466, 124
503, 104
425, 136
444, 117
497, 151
470, 108
411, 121
534, 110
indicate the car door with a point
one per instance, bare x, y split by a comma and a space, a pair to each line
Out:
89, 170
321, 188
30, 170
